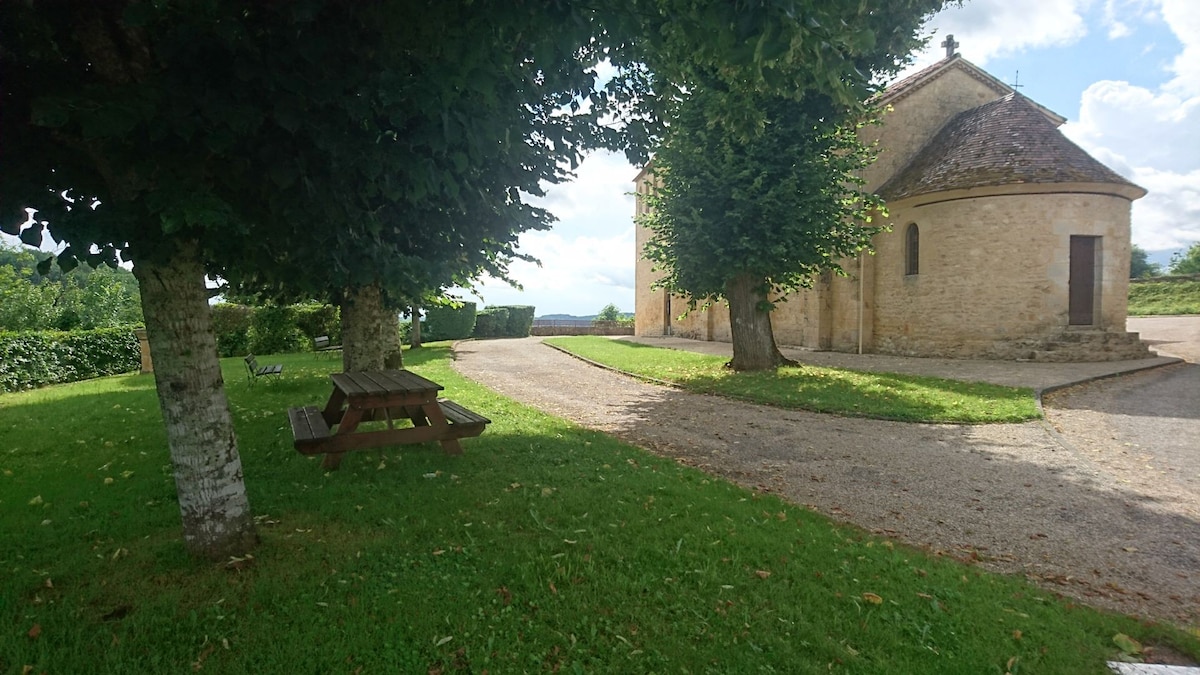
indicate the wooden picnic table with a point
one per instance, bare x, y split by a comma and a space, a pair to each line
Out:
384, 395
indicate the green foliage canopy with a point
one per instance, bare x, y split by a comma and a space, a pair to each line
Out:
80, 299
1187, 262
779, 206
609, 312
1140, 266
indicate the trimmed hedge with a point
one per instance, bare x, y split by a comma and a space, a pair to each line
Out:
231, 324
315, 320
520, 320
448, 323
273, 330
241, 330
491, 322
38, 358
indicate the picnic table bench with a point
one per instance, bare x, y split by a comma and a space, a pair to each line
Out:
385, 395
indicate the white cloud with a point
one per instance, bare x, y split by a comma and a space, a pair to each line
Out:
1167, 218
990, 28
1150, 135
579, 274
588, 258
1183, 17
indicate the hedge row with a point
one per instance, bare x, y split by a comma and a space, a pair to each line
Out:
38, 358
458, 323
448, 323
273, 329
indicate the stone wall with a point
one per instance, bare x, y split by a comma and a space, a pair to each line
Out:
994, 270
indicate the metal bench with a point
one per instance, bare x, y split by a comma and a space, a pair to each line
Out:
255, 371
321, 345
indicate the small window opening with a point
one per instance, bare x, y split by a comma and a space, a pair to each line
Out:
912, 250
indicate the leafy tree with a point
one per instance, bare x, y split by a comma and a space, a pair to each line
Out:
83, 298
745, 214
24, 305
749, 219
609, 313
1186, 262
1140, 266
372, 150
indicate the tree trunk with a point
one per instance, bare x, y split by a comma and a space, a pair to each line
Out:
217, 522
415, 333
370, 332
753, 340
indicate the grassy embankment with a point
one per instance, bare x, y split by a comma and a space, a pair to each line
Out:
1164, 298
545, 547
889, 396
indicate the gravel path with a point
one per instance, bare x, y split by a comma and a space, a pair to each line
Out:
1014, 496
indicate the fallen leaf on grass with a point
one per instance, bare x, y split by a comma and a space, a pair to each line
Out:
762, 574
35, 631
1127, 644
872, 598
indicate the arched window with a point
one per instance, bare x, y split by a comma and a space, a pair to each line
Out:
912, 250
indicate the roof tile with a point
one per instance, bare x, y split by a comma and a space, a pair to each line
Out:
1007, 141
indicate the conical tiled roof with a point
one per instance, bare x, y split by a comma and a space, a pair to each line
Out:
1008, 141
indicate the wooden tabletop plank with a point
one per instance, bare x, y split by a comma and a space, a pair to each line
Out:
382, 383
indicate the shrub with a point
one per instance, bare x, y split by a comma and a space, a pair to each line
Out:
520, 320
37, 358
273, 331
231, 324
315, 320
491, 322
449, 323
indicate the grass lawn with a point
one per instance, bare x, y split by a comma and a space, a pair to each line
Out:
908, 398
544, 548
1164, 297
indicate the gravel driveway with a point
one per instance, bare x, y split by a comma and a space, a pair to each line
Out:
1086, 520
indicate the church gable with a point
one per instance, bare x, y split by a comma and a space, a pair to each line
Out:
916, 108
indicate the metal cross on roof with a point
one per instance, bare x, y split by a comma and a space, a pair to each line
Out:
950, 45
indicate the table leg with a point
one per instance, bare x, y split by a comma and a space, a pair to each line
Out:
333, 409
348, 424
437, 418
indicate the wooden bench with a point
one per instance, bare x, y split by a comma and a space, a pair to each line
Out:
255, 371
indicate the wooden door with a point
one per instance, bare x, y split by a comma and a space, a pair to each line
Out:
1082, 283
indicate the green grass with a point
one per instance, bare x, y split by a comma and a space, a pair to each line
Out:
907, 398
545, 547
1164, 297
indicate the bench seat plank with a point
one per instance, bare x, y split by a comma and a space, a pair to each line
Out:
463, 422
308, 429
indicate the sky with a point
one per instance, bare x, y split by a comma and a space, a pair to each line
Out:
1125, 74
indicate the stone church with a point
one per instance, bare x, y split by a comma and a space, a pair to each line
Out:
1007, 241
